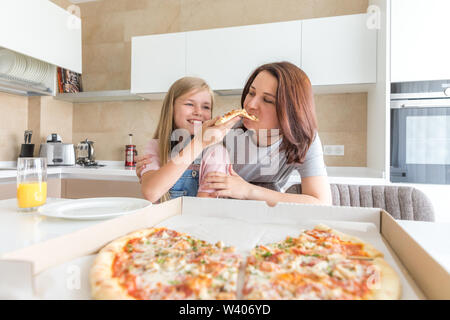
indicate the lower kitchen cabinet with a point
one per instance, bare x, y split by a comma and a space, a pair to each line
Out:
82, 188
8, 190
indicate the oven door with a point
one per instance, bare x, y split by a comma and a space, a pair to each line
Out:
420, 142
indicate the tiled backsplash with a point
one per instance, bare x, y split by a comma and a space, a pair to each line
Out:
43, 115
13, 123
342, 120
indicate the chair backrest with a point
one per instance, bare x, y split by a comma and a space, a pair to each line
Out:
404, 203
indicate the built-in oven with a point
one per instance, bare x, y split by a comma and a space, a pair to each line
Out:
420, 132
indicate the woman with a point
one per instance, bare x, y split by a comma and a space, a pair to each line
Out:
283, 140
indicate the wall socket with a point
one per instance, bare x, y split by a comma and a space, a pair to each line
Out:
333, 150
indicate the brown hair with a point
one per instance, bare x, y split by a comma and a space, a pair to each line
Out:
295, 108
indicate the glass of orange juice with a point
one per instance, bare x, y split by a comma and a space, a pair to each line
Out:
31, 183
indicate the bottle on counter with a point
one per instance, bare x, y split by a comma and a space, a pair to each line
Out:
130, 154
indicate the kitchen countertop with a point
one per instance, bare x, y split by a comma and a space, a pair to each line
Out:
20, 230
115, 170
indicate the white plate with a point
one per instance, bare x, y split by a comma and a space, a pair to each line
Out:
44, 71
93, 208
30, 69
7, 61
20, 66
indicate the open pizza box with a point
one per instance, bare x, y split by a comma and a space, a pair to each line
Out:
59, 268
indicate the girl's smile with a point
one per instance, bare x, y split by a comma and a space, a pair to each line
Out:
192, 109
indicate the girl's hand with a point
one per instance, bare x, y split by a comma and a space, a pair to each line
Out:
141, 161
212, 134
231, 186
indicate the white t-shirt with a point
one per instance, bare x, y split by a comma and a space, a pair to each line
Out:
268, 165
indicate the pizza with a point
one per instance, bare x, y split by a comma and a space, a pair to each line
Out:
159, 263
234, 113
320, 263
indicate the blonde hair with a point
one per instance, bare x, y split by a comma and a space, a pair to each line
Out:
166, 123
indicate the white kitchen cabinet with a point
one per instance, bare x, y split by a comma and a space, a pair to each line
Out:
226, 57
157, 61
42, 30
420, 46
332, 51
339, 50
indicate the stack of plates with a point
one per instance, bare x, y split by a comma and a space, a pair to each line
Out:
21, 67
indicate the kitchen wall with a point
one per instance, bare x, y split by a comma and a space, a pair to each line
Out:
342, 120
109, 123
43, 115
13, 123
55, 117
107, 28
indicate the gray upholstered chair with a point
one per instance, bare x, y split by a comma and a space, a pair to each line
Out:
404, 203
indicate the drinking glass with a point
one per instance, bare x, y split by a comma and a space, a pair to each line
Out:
31, 183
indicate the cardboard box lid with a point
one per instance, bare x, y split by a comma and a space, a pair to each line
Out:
432, 279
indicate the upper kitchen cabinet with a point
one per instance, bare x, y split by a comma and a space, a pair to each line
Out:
339, 50
420, 47
332, 51
225, 57
157, 61
42, 30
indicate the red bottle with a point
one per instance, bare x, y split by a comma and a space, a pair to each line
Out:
130, 154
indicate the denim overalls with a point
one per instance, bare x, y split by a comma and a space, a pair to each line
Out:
187, 185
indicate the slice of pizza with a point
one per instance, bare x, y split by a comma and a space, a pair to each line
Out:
322, 279
323, 240
319, 264
235, 113
160, 263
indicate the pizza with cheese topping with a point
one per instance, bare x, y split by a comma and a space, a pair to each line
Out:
235, 113
321, 263
325, 241
159, 263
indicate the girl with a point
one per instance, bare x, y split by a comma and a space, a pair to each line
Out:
187, 105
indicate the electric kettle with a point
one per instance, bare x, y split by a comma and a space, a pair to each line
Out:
85, 151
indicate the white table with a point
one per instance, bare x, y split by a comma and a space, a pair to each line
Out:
433, 237
19, 230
